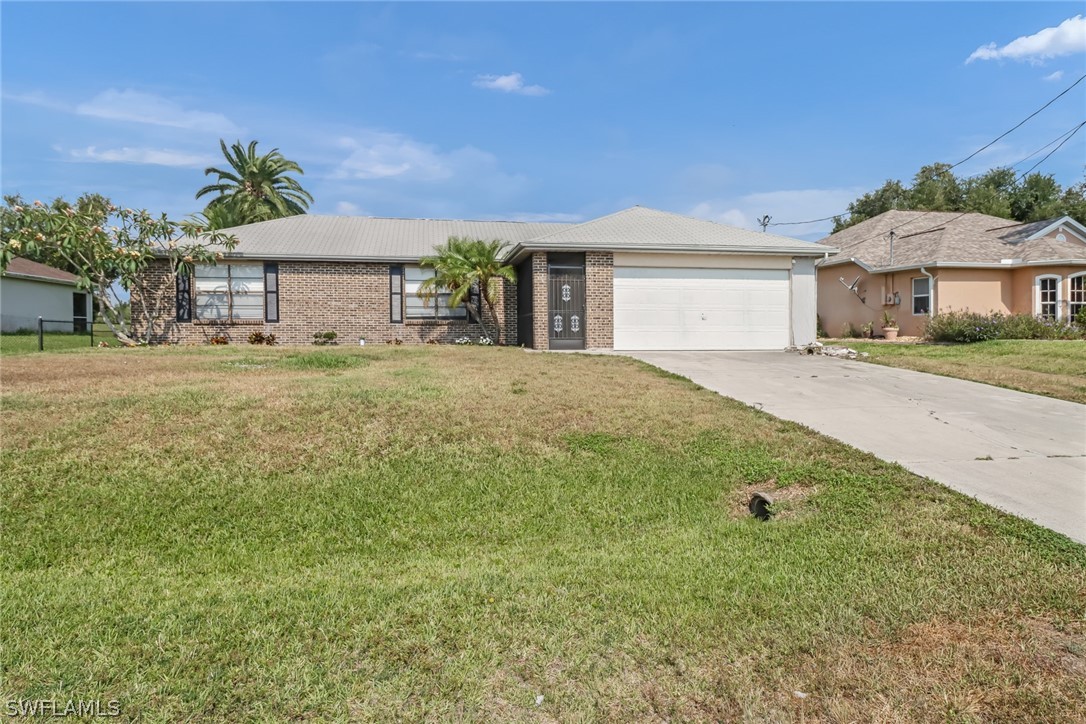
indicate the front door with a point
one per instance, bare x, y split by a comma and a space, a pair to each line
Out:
566, 307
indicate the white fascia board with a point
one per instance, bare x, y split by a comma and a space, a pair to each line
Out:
1080, 230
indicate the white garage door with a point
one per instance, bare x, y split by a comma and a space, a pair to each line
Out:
665, 308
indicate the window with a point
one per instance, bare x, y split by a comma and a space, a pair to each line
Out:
271, 292
230, 292
437, 307
1077, 300
921, 295
1048, 296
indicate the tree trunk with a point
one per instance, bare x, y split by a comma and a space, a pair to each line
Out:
497, 324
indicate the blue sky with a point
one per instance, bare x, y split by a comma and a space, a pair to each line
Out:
556, 111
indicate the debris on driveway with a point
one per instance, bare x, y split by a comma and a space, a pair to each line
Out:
830, 351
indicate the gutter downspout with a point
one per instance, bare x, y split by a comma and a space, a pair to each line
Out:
931, 292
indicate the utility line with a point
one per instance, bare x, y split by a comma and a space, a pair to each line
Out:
959, 163
1065, 136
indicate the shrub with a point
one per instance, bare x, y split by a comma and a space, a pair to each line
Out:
219, 339
963, 327
325, 338
848, 331
261, 338
968, 327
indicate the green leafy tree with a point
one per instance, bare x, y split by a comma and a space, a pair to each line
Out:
1037, 197
991, 192
997, 192
891, 195
109, 249
256, 187
461, 265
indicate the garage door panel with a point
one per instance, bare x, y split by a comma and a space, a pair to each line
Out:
676, 308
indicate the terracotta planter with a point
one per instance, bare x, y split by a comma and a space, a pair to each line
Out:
890, 332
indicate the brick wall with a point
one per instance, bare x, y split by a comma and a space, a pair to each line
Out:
351, 298
599, 301
599, 271
540, 301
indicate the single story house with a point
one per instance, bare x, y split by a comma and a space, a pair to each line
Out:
915, 264
29, 290
638, 279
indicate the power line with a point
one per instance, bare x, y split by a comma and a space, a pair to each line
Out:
1020, 124
1020, 177
959, 163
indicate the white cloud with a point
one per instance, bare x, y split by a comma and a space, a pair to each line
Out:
145, 156
1053, 77
37, 98
381, 155
136, 107
1067, 38
782, 206
346, 208
512, 83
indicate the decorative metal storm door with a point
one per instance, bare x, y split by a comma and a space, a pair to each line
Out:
565, 312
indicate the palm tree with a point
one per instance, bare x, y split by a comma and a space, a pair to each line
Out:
462, 265
257, 186
224, 215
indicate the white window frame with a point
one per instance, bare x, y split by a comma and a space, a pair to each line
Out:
913, 296
437, 308
1071, 293
1037, 303
227, 291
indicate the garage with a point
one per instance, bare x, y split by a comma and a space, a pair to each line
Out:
687, 308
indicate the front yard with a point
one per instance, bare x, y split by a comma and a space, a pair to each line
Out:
1054, 368
471, 533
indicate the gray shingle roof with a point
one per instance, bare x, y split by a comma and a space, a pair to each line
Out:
383, 239
643, 229
366, 238
948, 238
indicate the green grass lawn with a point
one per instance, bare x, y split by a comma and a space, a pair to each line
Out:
25, 342
1055, 368
450, 533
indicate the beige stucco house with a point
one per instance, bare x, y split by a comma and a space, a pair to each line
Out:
915, 264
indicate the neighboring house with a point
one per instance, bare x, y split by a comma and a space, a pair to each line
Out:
942, 261
637, 279
29, 290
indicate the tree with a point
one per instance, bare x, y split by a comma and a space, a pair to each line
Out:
110, 249
935, 188
891, 195
464, 265
997, 192
256, 187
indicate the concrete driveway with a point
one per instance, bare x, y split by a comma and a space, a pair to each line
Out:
1022, 453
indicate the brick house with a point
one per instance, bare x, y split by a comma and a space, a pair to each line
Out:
915, 264
636, 279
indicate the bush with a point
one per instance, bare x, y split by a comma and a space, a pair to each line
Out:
324, 338
219, 339
261, 338
965, 327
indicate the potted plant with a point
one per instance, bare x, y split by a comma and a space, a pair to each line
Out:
889, 326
